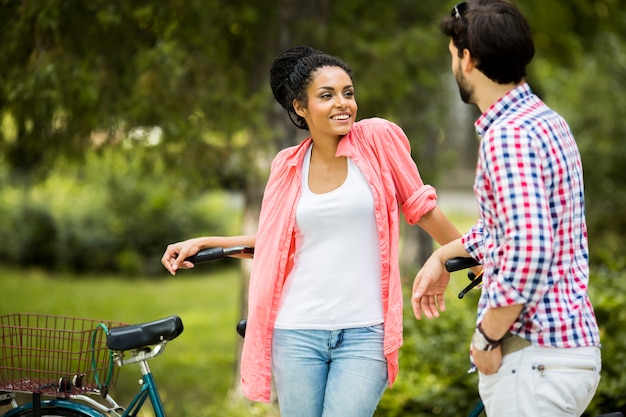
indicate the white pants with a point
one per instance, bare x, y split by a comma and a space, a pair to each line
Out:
542, 382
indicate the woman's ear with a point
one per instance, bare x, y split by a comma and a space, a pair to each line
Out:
299, 108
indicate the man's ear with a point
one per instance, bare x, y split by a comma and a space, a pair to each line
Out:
468, 62
299, 108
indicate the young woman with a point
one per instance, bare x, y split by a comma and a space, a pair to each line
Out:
325, 298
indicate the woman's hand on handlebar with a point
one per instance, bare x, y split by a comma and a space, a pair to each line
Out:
175, 254
174, 257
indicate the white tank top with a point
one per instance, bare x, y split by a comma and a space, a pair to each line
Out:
336, 279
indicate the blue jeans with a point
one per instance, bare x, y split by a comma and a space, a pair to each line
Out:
320, 373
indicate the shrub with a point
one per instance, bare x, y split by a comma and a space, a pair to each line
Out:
107, 215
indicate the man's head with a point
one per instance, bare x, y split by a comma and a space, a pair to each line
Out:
496, 35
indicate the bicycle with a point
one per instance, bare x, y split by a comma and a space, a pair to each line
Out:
64, 358
460, 263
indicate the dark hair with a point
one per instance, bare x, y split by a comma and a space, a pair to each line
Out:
496, 34
291, 74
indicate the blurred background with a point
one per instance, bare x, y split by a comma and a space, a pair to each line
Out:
125, 126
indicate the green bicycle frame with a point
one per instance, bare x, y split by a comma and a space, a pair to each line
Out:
148, 390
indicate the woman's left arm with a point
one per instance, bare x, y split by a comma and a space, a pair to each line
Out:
437, 225
415, 198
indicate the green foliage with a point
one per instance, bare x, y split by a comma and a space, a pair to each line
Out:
70, 70
434, 361
28, 234
608, 295
595, 110
107, 215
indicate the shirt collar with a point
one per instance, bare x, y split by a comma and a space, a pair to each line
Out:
510, 100
295, 158
345, 148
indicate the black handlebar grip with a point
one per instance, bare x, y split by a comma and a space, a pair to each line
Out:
458, 263
241, 327
206, 255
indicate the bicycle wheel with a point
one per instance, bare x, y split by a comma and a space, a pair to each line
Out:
54, 410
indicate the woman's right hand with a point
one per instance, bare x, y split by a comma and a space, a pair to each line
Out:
175, 254
174, 257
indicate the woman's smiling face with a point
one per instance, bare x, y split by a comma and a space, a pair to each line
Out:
331, 104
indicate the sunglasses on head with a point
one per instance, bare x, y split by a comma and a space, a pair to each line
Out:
458, 10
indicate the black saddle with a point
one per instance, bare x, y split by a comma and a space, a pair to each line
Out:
137, 336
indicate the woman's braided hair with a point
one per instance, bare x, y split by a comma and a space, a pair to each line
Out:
291, 74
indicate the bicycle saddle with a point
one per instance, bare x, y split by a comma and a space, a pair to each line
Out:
137, 336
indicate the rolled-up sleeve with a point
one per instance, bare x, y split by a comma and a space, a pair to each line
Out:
414, 197
420, 203
473, 241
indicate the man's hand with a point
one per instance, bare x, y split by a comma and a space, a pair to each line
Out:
429, 287
487, 363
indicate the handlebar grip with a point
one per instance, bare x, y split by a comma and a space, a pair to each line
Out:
206, 255
241, 327
458, 263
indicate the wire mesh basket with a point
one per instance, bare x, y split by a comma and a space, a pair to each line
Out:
55, 355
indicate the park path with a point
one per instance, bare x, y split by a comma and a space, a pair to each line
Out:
457, 201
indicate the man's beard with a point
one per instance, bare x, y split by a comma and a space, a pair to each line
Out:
465, 90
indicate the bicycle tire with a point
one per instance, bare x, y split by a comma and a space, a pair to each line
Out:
52, 410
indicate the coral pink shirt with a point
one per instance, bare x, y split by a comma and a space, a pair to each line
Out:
381, 150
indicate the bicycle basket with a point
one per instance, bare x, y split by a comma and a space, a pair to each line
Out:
54, 355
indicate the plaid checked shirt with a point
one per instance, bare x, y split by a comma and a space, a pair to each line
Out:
532, 237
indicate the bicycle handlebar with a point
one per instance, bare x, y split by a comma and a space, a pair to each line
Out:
214, 254
458, 263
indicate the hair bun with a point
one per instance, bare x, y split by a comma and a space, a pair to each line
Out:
283, 67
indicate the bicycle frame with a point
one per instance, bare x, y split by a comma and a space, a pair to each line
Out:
148, 390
